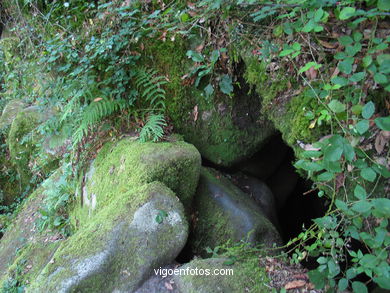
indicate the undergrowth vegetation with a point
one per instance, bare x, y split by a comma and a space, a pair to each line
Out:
333, 54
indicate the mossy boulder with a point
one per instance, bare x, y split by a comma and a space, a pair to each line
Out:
119, 249
225, 128
122, 166
10, 111
25, 145
23, 246
215, 275
225, 213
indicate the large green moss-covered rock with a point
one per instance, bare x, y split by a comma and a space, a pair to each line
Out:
121, 166
10, 111
9, 187
145, 228
23, 247
24, 145
225, 129
225, 213
213, 275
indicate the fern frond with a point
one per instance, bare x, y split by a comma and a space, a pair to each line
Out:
94, 113
153, 129
149, 85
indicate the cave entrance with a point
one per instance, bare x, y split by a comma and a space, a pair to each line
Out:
296, 202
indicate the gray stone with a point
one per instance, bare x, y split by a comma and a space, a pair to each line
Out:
260, 193
225, 213
119, 249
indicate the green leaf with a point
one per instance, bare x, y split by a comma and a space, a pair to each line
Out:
383, 282
308, 166
380, 78
195, 56
336, 106
361, 206
382, 205
359, 287
383, 123
383, 5
326, 176
345, 40
357, 36
333, 153
308, 66
357, 76
343, 284
184, 17
345, 66
318, 14
340, 80
360, 192
225, 84
341, 205
347, 12
367, 61
362, 126
368, 110
209, 90
318, 278
368, 174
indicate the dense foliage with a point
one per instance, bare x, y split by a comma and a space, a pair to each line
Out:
336, 54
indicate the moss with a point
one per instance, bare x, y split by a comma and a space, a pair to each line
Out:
109, 245
21, 151
285, 110
24, 146
121, 167
10, 111
225, 213
247, 276
218, 131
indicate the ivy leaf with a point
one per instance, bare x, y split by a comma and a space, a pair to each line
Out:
308, 166
368, 174
343, 284
383, 123
362, 206
333, 153
359, 287
362, 126
367, 61
341, 205
345, 40
382, 206
357, 77
368, 110
383, 282
326, 176
347, 12
336, 106
360, 192
346, 66
225, 84
380, 78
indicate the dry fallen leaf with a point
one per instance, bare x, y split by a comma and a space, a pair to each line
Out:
195, 112
328, 45
381, 140
295, 284
97, 99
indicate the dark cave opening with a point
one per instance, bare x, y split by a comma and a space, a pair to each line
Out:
297, 203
